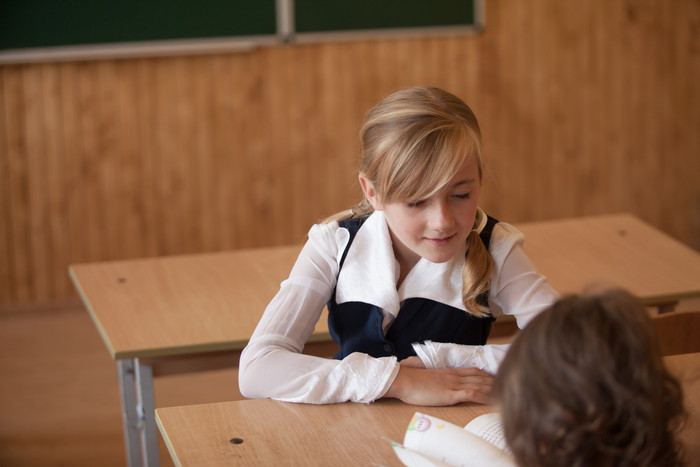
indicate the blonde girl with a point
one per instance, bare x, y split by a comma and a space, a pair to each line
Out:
412, 278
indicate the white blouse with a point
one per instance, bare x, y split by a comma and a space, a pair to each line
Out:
272, 364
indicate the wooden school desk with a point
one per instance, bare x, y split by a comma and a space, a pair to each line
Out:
618, 250
279, 433
158, 315
154, 314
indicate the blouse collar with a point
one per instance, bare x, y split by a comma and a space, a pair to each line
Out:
370, 271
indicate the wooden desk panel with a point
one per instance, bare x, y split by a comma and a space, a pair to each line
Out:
184, 304
276, 433
618, 250
279, 433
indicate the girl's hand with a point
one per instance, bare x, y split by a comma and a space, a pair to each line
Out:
413, 362
418, 386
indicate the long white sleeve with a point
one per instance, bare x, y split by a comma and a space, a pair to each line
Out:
272, 365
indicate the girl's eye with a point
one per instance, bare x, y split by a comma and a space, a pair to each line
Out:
464, 196
415, 204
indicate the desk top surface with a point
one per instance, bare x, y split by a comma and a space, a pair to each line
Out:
183, 304
209, 302
613, 250
340, 434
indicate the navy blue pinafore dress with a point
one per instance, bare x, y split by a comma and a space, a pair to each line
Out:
357, 326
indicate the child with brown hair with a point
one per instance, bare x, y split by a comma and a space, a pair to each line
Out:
584, 384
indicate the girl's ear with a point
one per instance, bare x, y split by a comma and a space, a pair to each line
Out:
370, 192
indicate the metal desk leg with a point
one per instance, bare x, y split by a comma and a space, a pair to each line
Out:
130, 416
138, 413
147, 408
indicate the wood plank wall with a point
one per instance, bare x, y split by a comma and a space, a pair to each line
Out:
586, 107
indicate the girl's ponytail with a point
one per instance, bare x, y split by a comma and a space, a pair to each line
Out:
476, 275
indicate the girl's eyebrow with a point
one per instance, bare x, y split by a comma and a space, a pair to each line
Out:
464, 182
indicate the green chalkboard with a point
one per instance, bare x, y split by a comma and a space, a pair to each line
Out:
34, 30
312, 16
49, 23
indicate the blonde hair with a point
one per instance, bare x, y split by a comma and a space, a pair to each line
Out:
413, 142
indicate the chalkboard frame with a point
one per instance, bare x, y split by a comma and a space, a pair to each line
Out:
474, 24
285, 21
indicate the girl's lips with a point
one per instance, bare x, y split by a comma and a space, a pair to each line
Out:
440, 241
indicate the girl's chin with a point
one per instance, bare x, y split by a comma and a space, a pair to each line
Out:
440, 256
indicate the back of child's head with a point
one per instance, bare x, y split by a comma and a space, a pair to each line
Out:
415, 140
584, 384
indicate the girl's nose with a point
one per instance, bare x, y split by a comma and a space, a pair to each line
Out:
441, 217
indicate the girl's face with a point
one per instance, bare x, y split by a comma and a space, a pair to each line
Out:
437, 227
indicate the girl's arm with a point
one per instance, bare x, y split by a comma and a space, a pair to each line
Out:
272, 365
517, 288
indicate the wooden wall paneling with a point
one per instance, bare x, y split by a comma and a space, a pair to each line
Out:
395, 64
18, 185
88, 159
167, 154
604, 109
303, 122
6, 240
187, 223
659, 85
251, 140
129, 217
256, 132
461, 70
680, 59
334, 175
646, 29
203, 183
160, 85
58, 255
433, 51
143, 103
487, 96
72, 192
239, 131
302, 117
614, 114
271, 175
110, 159
689, 42
36, 202
566, 62
320, 132
509, 114
345, 159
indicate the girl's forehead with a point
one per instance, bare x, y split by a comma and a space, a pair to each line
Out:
466, 174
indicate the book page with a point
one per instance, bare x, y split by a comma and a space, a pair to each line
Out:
489, 428
451, 444
411, 458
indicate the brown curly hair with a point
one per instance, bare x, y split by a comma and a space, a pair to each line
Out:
584, 384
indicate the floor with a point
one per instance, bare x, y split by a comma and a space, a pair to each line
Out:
59, 399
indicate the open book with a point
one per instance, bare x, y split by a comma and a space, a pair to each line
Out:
430, 442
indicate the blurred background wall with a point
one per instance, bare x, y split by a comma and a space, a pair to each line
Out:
586, 108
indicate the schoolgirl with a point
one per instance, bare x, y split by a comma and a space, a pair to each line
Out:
413, 277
